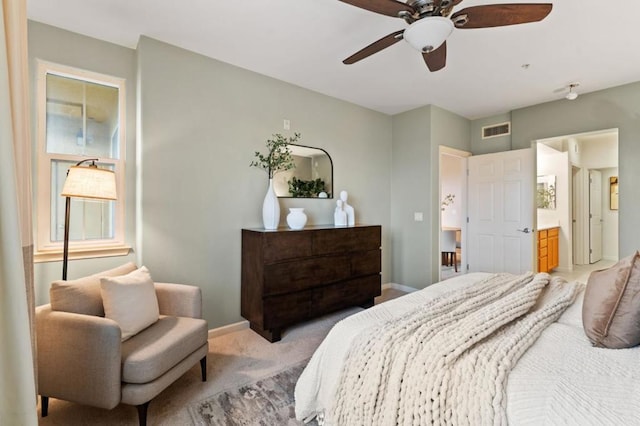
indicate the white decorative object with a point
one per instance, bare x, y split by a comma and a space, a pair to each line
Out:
296, 219
323, 194
271, 208
351, 214
339, 216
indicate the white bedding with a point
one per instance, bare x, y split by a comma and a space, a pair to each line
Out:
561, 379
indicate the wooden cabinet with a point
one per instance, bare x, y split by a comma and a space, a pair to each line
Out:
548, 242
292, 276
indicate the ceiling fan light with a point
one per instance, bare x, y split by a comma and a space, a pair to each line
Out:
572, 96
429, 33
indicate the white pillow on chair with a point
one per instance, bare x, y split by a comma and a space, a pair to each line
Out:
131, 301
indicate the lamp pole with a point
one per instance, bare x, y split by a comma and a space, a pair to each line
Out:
67, 210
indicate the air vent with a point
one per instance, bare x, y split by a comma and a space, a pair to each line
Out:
496, 130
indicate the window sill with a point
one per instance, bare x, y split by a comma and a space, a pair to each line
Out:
55, 255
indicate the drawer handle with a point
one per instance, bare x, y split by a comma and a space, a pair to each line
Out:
525, 230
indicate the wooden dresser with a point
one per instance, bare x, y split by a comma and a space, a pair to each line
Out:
292, 276
548, 242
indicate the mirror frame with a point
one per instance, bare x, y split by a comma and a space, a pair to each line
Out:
330, 192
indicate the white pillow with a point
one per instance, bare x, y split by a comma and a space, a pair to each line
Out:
130, 300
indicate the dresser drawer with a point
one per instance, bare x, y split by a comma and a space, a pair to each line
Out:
365, 263
543, 252
279, 246
347, 240
348, 293
542, 234
303, 274
280, 311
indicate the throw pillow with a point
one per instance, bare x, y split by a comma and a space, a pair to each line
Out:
611, 308
82, 296
131, 301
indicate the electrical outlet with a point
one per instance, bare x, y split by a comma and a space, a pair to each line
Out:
286, 124
418, 217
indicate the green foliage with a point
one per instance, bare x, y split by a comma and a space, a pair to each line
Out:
305, 188
278, 158
546, 198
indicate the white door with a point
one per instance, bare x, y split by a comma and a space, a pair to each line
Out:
595, 216
501, 212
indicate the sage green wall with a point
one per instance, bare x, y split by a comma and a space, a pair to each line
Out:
63, 47
450, 130
617, 107
417, 135
201, 121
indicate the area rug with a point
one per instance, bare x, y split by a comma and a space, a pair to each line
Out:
266, 402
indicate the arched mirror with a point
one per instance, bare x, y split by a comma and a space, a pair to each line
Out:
312, 177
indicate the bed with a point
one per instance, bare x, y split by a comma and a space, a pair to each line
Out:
560, 379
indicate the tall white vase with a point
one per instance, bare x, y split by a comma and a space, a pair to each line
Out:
271, 208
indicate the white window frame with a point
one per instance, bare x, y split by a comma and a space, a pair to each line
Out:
47, 250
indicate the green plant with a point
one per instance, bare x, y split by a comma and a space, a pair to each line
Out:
305, 188
278, 158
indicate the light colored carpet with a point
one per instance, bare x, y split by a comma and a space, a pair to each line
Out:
234, 359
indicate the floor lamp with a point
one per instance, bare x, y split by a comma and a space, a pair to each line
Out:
85, 182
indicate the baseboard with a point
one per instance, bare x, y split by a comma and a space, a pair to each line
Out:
400, 287
226, 329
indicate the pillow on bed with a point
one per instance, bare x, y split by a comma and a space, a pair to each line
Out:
611, 308
131, 301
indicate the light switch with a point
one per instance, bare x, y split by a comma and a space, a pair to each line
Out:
286, 124
417, 216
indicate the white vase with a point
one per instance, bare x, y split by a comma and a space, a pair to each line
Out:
296, 219
270, 208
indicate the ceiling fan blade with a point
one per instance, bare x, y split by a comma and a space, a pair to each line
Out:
375, 47
498, 15
437, 59
385, 7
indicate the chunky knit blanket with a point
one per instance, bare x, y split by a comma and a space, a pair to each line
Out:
447, 361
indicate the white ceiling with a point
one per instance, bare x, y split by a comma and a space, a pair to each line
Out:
304, 42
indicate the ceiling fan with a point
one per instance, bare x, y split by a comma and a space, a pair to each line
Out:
430, 23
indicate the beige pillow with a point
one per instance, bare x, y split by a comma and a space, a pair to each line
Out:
131, 301
82, 296
611, 308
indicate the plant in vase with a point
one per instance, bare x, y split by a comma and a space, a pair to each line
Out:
277, 159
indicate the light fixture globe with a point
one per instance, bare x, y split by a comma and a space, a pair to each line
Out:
427, 34
572, 95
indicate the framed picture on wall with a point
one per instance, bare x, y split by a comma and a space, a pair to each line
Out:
613, 193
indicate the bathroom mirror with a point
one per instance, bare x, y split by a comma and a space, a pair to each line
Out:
312, 177
546, 192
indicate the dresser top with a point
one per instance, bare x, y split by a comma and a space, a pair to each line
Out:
308, 228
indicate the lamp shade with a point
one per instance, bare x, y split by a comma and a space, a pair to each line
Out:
90, 182
427, 34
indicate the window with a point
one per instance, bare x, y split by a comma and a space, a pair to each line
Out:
80, 116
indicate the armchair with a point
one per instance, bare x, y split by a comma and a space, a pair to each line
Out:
81, 357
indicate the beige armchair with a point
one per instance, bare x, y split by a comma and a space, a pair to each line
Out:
81, 357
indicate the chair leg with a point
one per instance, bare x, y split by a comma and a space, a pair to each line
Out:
142, 413
455, 261
44, 405
203, 367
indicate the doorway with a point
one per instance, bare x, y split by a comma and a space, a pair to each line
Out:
453, 211
582, 165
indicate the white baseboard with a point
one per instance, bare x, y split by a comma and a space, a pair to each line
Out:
226, 329
400, 287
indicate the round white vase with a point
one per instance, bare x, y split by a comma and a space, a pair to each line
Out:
271, 208
296, 219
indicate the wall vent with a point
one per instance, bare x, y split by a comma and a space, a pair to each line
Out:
496, 130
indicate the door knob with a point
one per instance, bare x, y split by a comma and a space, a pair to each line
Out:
525, 230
